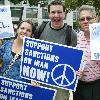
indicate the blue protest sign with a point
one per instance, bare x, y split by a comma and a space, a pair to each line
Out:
50, 63
16, 90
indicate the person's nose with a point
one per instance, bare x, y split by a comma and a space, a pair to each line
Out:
56, 14
24, 30
85, 20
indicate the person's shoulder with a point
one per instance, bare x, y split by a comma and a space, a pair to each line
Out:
73, 32
70, 30
44, 23
80, 33
7, 42
40, 28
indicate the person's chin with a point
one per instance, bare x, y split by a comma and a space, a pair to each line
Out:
86, 30
57, 26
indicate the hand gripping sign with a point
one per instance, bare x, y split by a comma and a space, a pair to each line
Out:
6, 26
50, 63
16, 90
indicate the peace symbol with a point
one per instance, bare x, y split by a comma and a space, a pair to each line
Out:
61, 78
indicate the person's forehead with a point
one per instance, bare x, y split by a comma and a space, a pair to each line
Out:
25, 24
56, 7
85, 13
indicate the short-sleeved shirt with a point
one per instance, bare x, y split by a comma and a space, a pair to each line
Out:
57, 35
91, 70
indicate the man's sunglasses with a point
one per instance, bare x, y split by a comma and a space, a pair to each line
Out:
88, 18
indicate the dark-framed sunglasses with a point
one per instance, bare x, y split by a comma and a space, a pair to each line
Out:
88, 18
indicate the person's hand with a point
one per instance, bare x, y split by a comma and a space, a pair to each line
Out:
79, 73
1, 62
35, 83
0, 65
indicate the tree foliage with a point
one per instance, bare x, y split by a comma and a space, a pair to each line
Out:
15, 1
31, 2
74, 4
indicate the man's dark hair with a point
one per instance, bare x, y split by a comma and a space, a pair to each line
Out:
56, 3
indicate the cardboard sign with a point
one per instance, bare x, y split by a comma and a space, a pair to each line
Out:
6, 26
95, 41
50, 63
16, 90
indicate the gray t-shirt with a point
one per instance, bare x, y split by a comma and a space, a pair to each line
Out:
57, 35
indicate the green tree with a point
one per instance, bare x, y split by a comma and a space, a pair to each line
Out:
15, 1
74, 4
31, 2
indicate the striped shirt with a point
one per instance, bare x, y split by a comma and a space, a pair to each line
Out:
91, 70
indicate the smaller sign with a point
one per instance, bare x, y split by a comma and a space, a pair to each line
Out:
6, 26
95, 41
16, 90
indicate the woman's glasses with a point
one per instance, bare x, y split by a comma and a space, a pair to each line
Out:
88, 18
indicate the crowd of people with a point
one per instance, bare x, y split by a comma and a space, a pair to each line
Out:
56, 31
